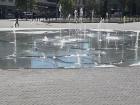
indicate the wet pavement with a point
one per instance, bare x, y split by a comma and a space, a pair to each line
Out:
68, 48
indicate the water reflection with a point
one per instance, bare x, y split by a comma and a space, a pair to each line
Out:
68, 48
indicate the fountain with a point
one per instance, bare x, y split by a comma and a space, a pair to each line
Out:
78, 60
35, 46
107, 17
13, 56
45, 39
111, 38
71, 48
122, 54
99, 33
15, 45
81, 15
69, 16
108, 40
92, 15
137, 46
60, 12
75, 15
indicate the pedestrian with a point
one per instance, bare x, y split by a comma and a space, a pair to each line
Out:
17, 17
33, 16
38, 17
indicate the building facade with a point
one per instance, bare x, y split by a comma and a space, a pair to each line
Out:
47, 8
7, 8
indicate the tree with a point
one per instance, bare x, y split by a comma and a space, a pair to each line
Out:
90, 5
132, 7
124, 5
67, 7
21, 4
104, 8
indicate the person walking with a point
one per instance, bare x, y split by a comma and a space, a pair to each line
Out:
33, 16
17, 19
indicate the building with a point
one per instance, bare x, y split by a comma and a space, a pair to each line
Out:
7, 8
47, 8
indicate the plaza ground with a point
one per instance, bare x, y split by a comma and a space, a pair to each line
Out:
97, 86
38, 24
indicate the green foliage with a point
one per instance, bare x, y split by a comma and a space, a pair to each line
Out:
90, 4
21, 4
67, 6
128, 7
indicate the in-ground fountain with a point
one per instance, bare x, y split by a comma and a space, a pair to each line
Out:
68, 48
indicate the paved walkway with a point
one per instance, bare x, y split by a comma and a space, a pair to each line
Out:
35, 24
100, 86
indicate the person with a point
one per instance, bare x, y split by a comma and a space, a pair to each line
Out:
17, 17
33, 16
